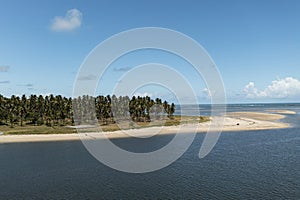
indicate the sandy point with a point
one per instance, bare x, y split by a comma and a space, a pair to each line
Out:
235, 121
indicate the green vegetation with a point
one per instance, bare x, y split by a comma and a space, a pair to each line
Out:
43, 129
35, 111
163, 121
54, 114
30, 129
113, 109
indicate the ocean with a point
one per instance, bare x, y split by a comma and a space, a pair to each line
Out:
261, 164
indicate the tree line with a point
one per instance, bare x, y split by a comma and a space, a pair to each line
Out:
53, 110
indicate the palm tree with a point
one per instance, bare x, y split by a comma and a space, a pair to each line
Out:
23, 109
13, 111
76, 109
33, 109
48, 111
41, 109
68, 109
58, 109
171, 110
3, 113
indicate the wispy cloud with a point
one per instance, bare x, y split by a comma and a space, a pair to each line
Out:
69, 22
87, 77
26, 85
4, 82
208, 93
4, 68
288, 87
122, 69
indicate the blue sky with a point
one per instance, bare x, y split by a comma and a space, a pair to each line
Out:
255, 44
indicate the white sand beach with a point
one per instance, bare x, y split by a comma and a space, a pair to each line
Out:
236, 121
290, 112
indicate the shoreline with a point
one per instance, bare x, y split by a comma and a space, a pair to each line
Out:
234, 121
289, 112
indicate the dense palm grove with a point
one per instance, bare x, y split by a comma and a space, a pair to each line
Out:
57, 110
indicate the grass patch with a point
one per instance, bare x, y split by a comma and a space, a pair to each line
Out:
29, 129
43, 129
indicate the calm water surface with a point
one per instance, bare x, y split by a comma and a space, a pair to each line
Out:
243, 165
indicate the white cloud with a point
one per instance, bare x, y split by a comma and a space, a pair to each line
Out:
251, 91
69, 22
208, 93
282, 88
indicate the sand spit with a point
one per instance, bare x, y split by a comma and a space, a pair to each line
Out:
236, 121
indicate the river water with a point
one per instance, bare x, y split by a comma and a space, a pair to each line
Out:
243, 165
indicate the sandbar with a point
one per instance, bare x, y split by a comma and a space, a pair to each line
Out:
289, 112
235, 121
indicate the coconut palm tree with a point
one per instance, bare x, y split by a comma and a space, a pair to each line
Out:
41, 109
53, 110
23, 109
3, 113
13, 111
